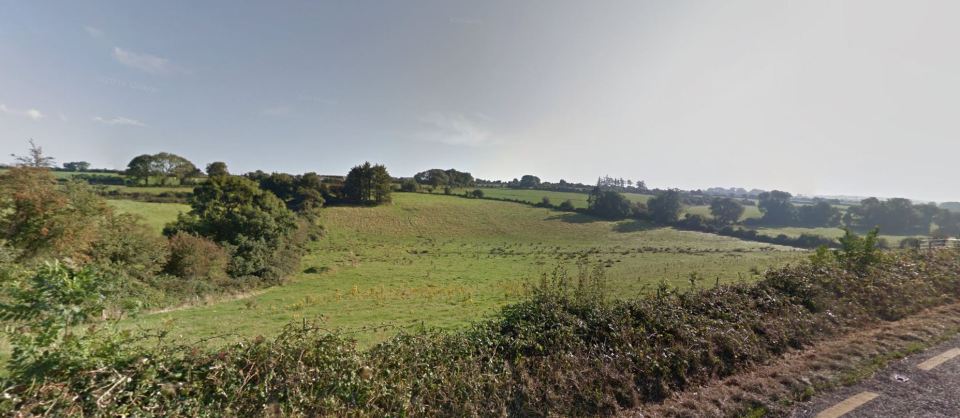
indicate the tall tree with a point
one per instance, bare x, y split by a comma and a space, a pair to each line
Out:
140, 168
167, 165
367, 183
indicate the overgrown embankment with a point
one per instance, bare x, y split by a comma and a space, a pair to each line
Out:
567, 350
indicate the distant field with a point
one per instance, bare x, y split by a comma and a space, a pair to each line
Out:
579, 200
147, 190
748, 211
155, 214
445, 261
69, 174
893, 240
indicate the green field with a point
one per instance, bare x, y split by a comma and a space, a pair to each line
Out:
579, 200
156, 215
704, 210
146, 190
892, 240
445, 261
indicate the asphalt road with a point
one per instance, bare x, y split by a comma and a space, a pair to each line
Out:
903, 389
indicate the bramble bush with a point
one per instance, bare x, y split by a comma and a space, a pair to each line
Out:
568, 349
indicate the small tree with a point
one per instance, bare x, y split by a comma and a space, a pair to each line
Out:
477, 193
858, 253
409, 186
34, 158
566, 205
529, 181
665, 207
217, 168
611, 205
725, 210
76, 166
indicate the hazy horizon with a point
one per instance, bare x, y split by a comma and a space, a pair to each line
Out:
816, 98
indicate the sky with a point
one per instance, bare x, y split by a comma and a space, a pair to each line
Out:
813, 97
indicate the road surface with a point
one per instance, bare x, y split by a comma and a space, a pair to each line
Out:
921, 385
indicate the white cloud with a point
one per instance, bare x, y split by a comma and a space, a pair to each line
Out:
119, 121
145, 62
28, 113
93, 31
455, 129
132, 85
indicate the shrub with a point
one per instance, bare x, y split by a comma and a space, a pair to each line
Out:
566, 206
127, 244
477, 193
252, 224
568, 350
858, 253
409, 185
196, 258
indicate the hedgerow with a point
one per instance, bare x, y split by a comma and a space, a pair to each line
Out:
568, 349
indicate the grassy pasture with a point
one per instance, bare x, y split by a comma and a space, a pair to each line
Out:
579, 200
154, 214
445, 261
147, 190
892, 240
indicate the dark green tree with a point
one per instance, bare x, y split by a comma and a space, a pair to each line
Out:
610, 204
140, 168
529, 181
368, 184
76, 166
725, 210
777, 208
665, 207
819, 214
217, 168
252, 223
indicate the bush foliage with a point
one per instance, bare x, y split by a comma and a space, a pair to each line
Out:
568, 349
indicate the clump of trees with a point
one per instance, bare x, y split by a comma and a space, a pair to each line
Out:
251, 223
439, 178
609, 204
164, 165
300, 192
368, 184
76, 166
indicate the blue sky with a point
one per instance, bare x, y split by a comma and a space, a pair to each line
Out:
824, 97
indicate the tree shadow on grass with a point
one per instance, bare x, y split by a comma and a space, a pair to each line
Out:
633, 225
574, 218
628, 225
